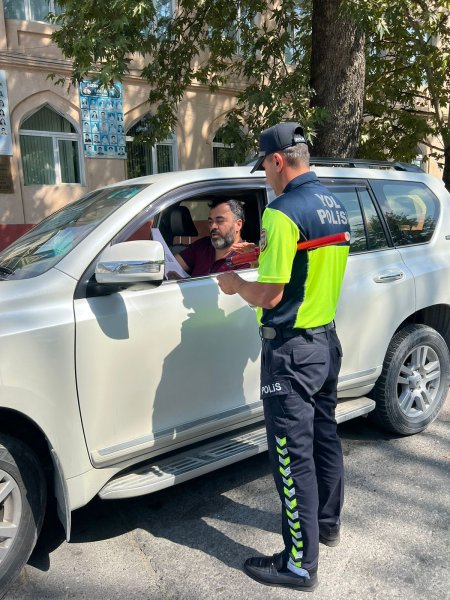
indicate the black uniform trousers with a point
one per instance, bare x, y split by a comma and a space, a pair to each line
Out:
299, 391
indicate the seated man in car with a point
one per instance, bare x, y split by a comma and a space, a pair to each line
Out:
208, 254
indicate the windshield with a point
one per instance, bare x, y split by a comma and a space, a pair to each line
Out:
47, 243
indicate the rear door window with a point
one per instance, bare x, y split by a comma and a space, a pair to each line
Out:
410, 209
366, 228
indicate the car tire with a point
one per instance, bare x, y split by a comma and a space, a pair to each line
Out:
23, 496
414, 382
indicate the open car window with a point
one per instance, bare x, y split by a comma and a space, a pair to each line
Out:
185, 221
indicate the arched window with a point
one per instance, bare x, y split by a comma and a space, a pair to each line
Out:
143, 159
50, 149
223, 154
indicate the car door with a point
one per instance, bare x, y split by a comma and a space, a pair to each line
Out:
162, 367
413, 213
377, 292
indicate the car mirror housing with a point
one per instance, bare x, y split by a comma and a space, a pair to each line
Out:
131, 262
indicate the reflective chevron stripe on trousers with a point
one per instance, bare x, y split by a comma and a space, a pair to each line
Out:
290, 507
298, 388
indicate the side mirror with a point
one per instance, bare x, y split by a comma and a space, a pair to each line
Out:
131, 262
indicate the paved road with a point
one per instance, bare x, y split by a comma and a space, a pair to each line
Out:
188, 543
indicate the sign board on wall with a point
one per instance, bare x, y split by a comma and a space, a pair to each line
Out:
102, 120
5, 124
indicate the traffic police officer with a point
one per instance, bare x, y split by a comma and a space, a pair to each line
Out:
297, 293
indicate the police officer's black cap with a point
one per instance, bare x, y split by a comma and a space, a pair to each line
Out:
276, 138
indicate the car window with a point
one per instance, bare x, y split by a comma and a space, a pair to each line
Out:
366, 229
376, 234
411, 210
52, 239
185, 221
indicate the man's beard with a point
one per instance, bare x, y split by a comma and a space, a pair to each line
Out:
224, 241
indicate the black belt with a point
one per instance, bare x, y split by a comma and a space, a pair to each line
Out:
271, 333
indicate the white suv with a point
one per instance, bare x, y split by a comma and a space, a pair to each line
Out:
118, 382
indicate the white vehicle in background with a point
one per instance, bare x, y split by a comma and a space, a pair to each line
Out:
117, 382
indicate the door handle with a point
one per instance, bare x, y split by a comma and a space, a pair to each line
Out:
388, 276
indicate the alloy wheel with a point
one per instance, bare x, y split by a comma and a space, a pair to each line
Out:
10, 512
418, 382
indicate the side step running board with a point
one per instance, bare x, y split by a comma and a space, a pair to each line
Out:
204, 458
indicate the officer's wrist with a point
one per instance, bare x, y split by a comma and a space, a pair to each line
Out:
238, 282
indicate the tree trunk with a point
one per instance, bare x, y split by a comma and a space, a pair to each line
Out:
446, 173
337, 78
446, 139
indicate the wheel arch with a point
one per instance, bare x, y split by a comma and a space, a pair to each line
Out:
20, 426
437, 317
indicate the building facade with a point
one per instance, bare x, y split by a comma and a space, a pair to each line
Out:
55, 146
52, 153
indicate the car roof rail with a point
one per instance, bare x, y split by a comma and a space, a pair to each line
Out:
364, 163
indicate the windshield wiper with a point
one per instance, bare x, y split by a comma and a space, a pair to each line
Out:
6, 271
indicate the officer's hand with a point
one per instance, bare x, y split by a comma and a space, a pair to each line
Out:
229, 282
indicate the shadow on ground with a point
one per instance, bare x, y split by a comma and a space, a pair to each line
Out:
180, 513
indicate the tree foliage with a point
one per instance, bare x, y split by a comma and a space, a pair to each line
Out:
206, 43
279, 51
213, 44
408, 78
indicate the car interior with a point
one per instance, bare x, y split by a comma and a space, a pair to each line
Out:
185, 222
177, 228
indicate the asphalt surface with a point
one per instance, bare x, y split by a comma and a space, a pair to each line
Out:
189, 542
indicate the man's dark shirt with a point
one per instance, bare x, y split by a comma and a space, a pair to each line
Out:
200, 257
